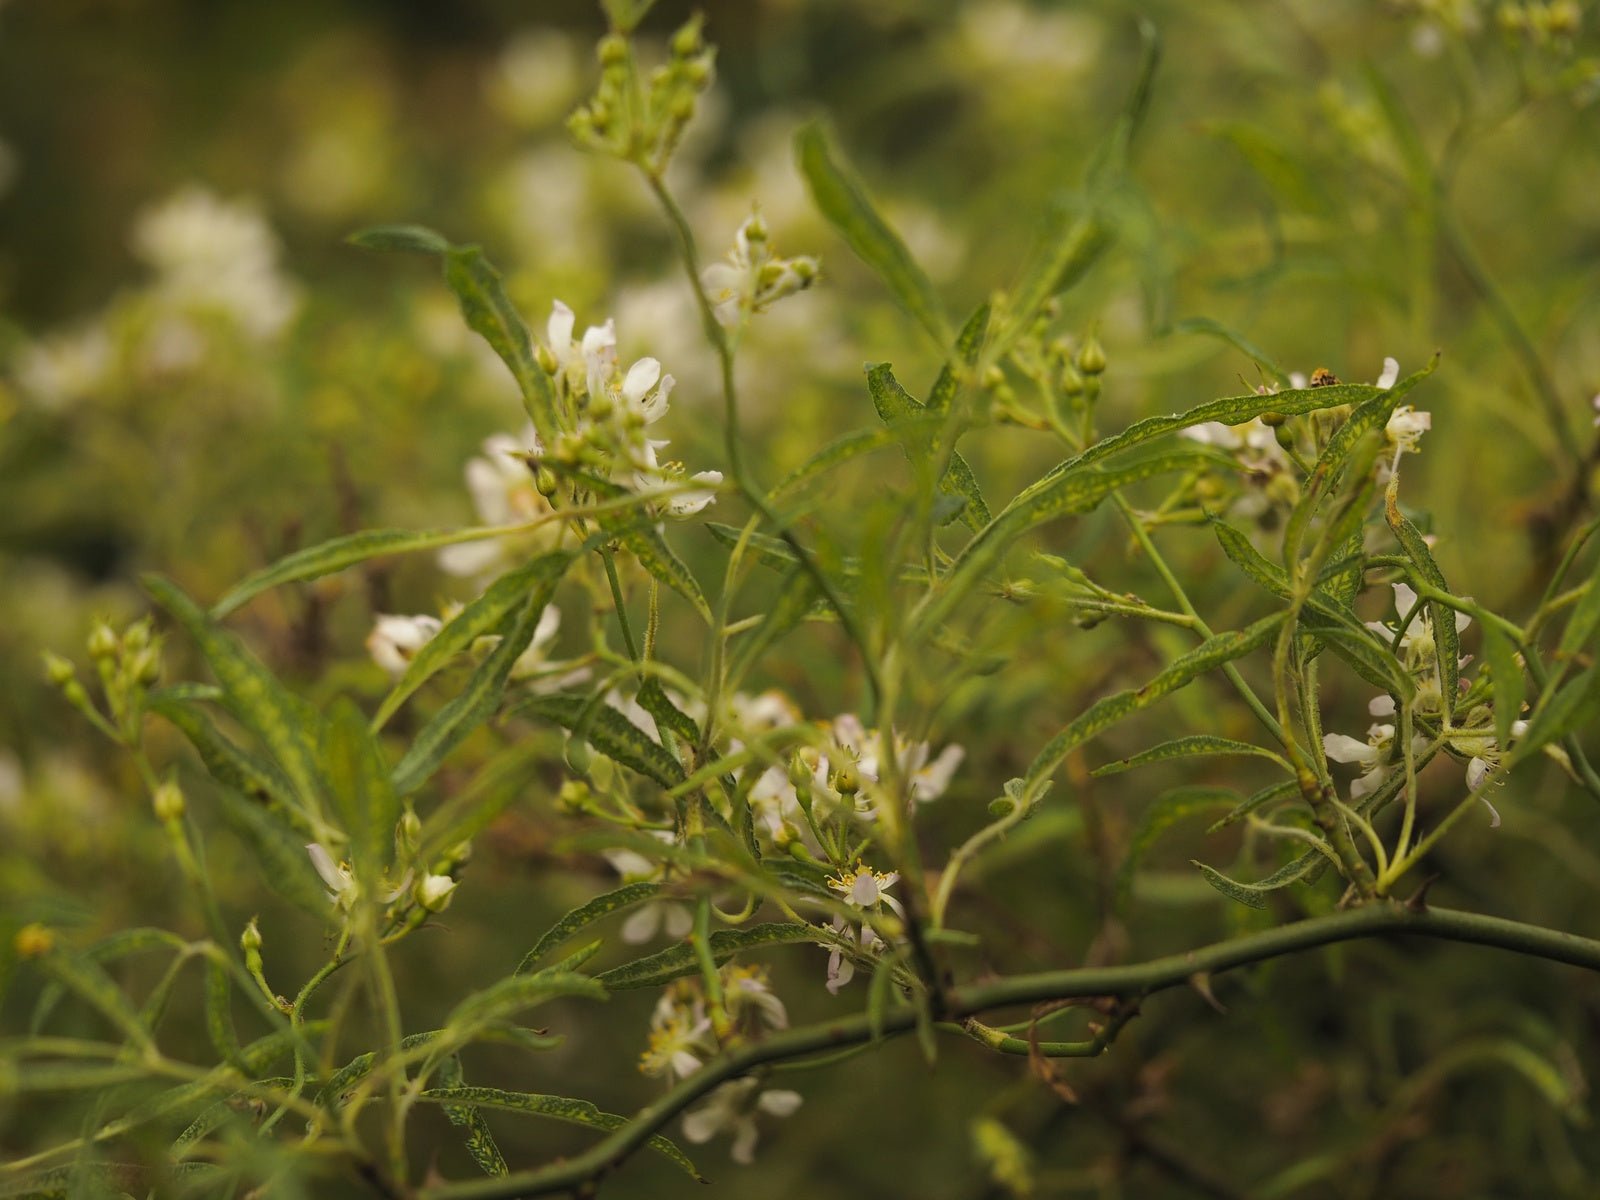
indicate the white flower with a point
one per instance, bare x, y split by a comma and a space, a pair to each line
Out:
1406, 427
650, 918
1485, 758
434, 892
678, 1031
752, 277
343, 888
865, 889
394, 641
1391, 373
1372, 755
732, 1108
746, 989
66, 368
217, 255
503, 493
645, 389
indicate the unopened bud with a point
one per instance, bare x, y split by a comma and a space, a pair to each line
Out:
168, 801
250, 939
434, 892
578, 756
103, 642
1272, 420
1092, 358
574, 796
34, 941
688, 42
613, 50
58, 670
846, 780
407, 835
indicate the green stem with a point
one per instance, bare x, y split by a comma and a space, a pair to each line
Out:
617, 602
1373, 920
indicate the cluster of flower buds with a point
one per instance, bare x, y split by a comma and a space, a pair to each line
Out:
752, 277
129, 665
638, 123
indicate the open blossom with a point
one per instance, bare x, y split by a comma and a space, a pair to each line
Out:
656, 915
867, 890
680, 1040
501, 485
733, 1108
1371, 755
747, 993
752, 277
395, 640
343, 888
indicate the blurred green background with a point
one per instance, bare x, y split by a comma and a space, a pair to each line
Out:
197, 375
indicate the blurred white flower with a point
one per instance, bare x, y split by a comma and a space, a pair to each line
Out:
214, 255
503, 493
395, 640
537, 77
65, 368
732, 1108
434, 892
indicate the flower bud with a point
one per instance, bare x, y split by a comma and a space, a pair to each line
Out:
688, 42
613, 50
34, 941
434, 892
407, 835
578, 756
250, 939
846, 780
103, 641
58, 670
574, 797
1092, 358
168, 801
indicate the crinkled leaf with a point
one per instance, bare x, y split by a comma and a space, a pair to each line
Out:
653, 698
896, 406
559, 1108
1196, 746
484, 615
1207, 656
678, 961
1165, 811
363, 794
254, 694
232, 766
415, 239
609, 732
969, 343
1254, 895
477, 702
840, 198
490, 313
480, 1142
601, 906
328, 557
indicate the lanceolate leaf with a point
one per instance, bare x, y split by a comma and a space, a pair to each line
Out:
232, 766
477, 703
602, 906
330, 556
654, 700
1165, 811
1254, 895
850, 446
559, 1108
678, 961
415, 239
1209, 655
483, 616
796, 598
848, 208
280, 850
490, 313
363, 795
1189, 747
257, 698
515, 994
609, 732
895, 405
480, 1142
969, 343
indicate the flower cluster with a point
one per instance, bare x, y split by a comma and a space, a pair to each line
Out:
752, 277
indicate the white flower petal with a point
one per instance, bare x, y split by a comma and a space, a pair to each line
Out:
1345, 749
1381, 706
642, 924
780, 1102
1391, 372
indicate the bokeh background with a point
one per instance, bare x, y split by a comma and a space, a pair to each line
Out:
198, 375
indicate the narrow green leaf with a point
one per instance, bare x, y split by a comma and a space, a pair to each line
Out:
325, 558
602, 906
797, 596
1197, 746
232, 766
1505, 674
480, 1142
678, 961
840, 198
1445, 635
1254, 895
219, 1014
477, 702
1270, 794
609, 732
1584, 622
257, 698
969, 344
897, 408
1574, 705
1207, 656
363, 794
279, 849
484, 615
87, 980
559, 1108
490, 314
835, 453
414, 239
654, 700
1165, 811
514, 994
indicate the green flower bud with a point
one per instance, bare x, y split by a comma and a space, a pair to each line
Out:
1092, 357
250, 939
168, 801
58, 670
34, 941
613, 50
103, 642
